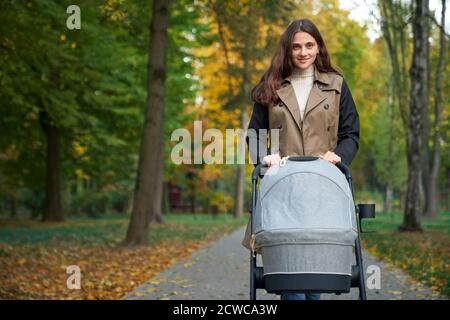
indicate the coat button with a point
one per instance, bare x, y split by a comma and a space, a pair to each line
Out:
320, 86
326, 106
328, 129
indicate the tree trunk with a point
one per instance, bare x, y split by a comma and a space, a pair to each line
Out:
432, 196
389, 189
240, 173
448, 189
426, 149
193, 202
147, 194
388, 199
419, 99
239, 200
165, 200
426, 171
155, 214
394, 29
52, 205
240, 176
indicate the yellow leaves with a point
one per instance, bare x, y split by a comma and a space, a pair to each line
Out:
88, 285
78, 149
188, 264
423, 255
397, 293
111, 8
81, 174
63, 38
139, 294
222, 202
39, 272
373, 250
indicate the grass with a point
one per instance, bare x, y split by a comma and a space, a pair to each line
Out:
34, 255
111, 229
424, 255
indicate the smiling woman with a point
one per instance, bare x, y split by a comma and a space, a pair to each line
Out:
307, 100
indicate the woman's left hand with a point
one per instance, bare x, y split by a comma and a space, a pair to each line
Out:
331, 157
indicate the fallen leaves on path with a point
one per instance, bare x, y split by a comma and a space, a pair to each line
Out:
39, 272
425, 256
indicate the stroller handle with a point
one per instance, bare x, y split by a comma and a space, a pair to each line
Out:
341, 166
344, 169
257, 171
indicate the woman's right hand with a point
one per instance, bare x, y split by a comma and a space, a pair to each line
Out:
271, 159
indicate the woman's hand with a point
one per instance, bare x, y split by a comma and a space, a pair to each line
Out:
331, 157
271, 159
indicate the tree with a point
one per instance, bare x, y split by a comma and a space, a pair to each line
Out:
148, 190
381, 145
70, 102
419, 101
432, 190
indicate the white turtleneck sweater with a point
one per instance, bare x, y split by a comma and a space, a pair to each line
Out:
302, 81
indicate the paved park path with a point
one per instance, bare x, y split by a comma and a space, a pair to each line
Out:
220, 271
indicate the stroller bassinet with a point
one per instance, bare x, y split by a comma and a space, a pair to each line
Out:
305, 228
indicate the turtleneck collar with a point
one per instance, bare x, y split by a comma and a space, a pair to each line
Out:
304, 73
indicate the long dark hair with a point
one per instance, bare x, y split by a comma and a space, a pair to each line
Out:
281, 65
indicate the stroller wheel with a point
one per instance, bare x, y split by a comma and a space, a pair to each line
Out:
259, 278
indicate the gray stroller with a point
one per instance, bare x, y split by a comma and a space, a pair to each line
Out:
306, 229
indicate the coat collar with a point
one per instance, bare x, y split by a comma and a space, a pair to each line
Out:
287, 94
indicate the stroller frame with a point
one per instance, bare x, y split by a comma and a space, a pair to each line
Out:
257, 280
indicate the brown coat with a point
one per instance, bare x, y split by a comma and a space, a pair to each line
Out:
317, 133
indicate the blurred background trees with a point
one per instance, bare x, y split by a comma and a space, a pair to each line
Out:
72, 102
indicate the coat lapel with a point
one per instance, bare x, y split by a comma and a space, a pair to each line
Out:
287, 95
316, 96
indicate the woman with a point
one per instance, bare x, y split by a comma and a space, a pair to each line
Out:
307, 100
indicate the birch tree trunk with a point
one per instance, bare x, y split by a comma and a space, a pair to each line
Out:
432, 196
419, 100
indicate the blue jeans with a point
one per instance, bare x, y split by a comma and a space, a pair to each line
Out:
300, 296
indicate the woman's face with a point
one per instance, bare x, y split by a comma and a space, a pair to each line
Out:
304, 50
